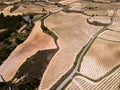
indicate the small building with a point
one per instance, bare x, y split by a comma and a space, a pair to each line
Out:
27, 18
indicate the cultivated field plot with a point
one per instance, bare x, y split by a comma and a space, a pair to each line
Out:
37, 40
36, 9
76, 6
110, 82
11, 1
113, 36
66, 2
29, 9
101, 19
73, 32
101, 58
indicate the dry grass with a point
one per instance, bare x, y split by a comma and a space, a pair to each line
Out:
110, 82
6, 11
116, 23
110, 35
73, 32
37, 40
31, 8
100, 58
101, 19
76, 6
12, 2
66, 2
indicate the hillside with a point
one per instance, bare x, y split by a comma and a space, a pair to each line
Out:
59, 44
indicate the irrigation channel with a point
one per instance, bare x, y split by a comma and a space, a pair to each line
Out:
70, 74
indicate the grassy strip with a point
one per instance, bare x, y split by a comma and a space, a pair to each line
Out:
67, 84
47, 31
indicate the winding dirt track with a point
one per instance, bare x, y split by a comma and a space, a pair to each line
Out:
37, 40
73, 32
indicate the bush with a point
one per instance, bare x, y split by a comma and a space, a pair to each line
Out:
20, 38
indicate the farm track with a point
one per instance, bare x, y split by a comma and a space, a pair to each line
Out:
110, 82
83, 52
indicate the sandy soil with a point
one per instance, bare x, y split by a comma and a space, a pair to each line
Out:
76, 6
116, 23
6, 11
73, 32
11, 2
101, 19
21, 10
113, 36
66, 2
110, 82
29, 9
37, 40
96, 63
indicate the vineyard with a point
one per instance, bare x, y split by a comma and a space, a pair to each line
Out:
71, 38
100, 63
110, 82
71, 44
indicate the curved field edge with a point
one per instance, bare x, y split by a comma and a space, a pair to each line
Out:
110, 82
105, 75
47, 31
32, 69
21, 70
82, 53
112, 34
